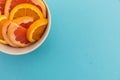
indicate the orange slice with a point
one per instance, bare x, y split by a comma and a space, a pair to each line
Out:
2, 20
17, 34
24, 21
25, 10
36, 30
5, 34
10, 4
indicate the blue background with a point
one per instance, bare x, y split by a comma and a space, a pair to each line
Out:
83, 44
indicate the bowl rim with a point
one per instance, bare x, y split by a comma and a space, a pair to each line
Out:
42, 41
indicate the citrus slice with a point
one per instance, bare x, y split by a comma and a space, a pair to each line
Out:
36, 30
10, 4
17, 34
5, 34
24, 21
2, 20
25, 10
2, 5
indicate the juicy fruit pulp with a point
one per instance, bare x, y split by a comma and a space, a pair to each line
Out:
36, 29
22, 22
18, 39
26, 10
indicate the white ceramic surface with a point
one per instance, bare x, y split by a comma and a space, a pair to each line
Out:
20, 51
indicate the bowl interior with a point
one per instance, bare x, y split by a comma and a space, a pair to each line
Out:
19, 51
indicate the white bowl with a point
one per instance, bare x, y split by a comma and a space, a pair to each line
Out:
20, 51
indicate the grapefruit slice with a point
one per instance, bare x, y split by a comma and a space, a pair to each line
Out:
5, 34
25, 10
17, 34
10, 4
36, 30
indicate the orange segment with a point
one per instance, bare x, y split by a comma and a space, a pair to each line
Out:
25, 10
2, 20
37, 34
36, 30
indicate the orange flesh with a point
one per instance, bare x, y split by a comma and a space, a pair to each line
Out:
24, 11
38, 32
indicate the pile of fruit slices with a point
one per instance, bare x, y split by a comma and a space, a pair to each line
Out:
22, 22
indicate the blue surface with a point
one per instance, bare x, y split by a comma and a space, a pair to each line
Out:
83, 44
